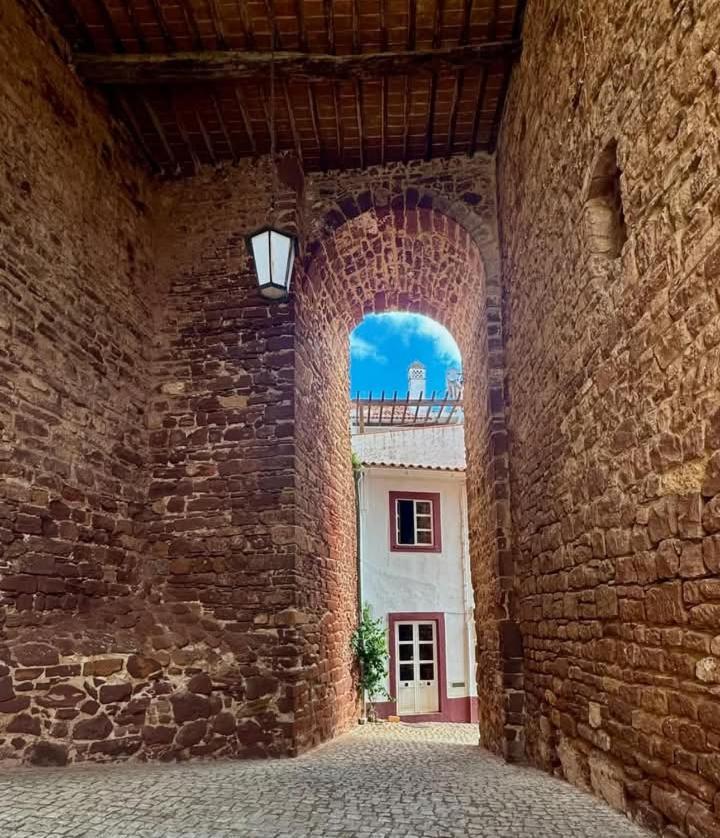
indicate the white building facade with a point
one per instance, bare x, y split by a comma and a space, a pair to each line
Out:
414, 566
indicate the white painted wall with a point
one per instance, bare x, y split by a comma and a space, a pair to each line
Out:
439, 446
397, 582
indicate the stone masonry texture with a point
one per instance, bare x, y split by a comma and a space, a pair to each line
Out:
614, 372
177, 542
178, 546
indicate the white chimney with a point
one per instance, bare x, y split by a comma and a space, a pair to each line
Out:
416, 380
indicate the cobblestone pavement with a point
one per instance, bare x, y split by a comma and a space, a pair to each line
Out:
421, 781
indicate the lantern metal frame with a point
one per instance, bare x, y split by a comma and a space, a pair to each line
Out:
294, 252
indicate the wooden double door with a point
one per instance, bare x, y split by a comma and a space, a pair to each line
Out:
417, 667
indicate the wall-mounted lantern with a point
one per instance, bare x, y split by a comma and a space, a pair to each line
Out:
273, 254
272, 250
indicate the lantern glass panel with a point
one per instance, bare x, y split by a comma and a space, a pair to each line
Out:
272, 254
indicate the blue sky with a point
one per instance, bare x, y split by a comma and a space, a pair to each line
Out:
383, 346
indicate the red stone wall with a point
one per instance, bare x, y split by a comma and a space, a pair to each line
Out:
74, 358
222, 490
146, 480
327, 578
74, 328
177, 547
614, 371
177, 570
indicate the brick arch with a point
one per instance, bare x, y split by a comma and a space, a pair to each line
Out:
399, 259
400, 255
465, 211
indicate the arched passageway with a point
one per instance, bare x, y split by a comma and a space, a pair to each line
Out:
399, 256
229, 634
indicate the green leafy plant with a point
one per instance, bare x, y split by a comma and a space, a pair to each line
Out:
369, 643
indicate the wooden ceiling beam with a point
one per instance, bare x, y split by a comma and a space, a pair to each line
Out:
355, 27
157, 125
246, 24
135, 130
431, 117
191, 67
129, 10
184, 135
217, 24
302, 32
412, 24
467, 17
246, 120
107, 22
492, 26
499, 108
329, 25
191, 23
479, 103
383, 26
274, 33
406, 118
436, 41
264, 99
437, 24
206, 138
339, 133
457, 93
223, 126
519, 18
162, 24
359, 117
293, 124
79, 24
316, 126
383, 118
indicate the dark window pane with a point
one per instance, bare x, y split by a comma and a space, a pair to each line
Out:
426, 652
406, 522
426, 631
424, 538
423, 507
427, 671
406, 651
405, 632
406, 672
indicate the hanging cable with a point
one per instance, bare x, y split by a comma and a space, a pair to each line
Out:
272, 125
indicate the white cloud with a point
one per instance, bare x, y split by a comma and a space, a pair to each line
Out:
408, 326
362, 350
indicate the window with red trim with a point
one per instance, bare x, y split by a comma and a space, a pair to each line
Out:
415, 522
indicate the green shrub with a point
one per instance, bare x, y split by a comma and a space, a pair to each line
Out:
369, 643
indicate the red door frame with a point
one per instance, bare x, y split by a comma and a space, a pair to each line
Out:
443, 714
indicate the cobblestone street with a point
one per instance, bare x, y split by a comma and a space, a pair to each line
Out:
394, 780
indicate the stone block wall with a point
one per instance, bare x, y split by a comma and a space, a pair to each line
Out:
177, 568
146, 480
75, 328
614, 374
220, 522
177, 546
74, 338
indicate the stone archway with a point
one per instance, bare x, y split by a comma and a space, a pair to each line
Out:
232, 639
402, 254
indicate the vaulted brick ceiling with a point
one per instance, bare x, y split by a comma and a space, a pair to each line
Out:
358, 82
